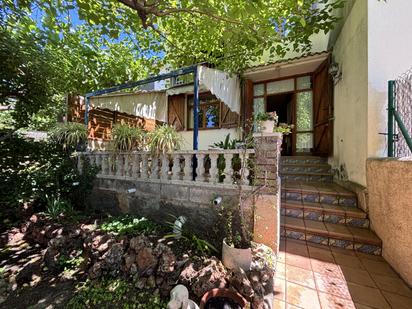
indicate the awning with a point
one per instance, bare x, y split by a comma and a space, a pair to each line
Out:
222, 85
146, 104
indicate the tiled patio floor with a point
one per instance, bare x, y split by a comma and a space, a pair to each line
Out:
314, 276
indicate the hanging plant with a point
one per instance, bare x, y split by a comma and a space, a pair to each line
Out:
125, 138
164, 139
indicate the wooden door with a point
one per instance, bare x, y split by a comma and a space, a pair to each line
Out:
323, 111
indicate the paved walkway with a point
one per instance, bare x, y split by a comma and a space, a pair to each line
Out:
313, 276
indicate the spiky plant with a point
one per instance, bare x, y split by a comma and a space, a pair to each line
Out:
164, 139
70, 135
125, 138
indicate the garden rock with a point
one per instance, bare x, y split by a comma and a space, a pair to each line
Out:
240, 281
146, 261
167, 259
113, 257
212, 274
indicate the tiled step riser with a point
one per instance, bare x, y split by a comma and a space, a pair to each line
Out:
306, 178
324, 198
305, 169
331, 241
325, 217
303, 160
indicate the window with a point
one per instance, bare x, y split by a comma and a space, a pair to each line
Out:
209, 112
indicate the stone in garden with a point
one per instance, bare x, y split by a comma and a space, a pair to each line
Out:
129, 260
50, 258
167, 259
139, 242
241, 282
146, 261
211, 274
113, 257
96, 270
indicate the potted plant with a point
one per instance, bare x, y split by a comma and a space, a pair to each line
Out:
222, 298
284, 128
267, 121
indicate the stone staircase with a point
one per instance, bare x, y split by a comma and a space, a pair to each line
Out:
315, 209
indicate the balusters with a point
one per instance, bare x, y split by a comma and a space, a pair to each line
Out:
126, 169
154, 168
80, 163
144, 171
164, 174
176, 167
98, 162
244, 169
188, 167
213, 171
135, 165
228, 171
105, 164
200, 170
119, 165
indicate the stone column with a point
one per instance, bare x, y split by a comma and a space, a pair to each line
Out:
267, 198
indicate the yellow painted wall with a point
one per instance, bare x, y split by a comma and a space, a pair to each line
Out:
351, 96
207, 137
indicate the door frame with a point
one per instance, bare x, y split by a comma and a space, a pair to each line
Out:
294, 101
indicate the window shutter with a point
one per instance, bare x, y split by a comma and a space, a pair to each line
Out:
248, 105
176, 111
228, 118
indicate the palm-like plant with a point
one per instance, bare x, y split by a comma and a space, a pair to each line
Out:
125, 138
164, 139
70, 135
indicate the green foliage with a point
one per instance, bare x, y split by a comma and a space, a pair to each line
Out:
125, 138
37, 170
227, 143
189, 239
164, 139
284, 128
72, 262
114, 293
129, 225
57, 207
266, 116
231, 34
70, 135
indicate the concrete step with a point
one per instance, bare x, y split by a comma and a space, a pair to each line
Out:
303, 160
305, 167
336, 214
317, 192
329, 234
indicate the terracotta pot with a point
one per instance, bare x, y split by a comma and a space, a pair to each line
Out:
223, 293
233, 257
267, 126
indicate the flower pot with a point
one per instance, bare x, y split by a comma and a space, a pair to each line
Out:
226, 293
267, 126
233, 257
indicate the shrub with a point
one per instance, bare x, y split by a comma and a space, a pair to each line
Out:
164, 139
128, 225
70, 135
33, 171
125, 138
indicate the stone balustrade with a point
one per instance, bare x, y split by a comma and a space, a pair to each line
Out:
225, 167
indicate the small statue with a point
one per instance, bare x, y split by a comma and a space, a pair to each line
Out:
179, 299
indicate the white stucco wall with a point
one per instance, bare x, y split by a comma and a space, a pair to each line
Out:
351, 96
207, 137
389, 55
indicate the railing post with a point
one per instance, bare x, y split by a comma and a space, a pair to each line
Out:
391, 109
228, 168
154, 167
188, 168
164, 174
200, 169
144, 171
213, 171
176, 167
135, 165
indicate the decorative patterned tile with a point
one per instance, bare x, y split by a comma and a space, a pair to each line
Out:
334, 218
329, 199
347, 201
315, 215
294, 234
357, 222
369, 249
340, 243
296, 213
310, 197
317, 239
293, 196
